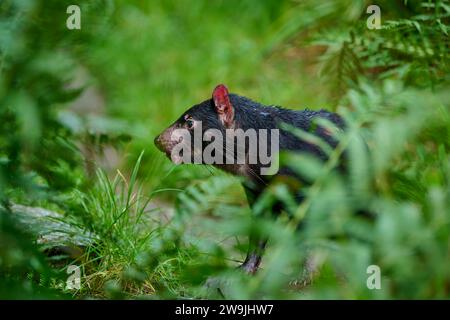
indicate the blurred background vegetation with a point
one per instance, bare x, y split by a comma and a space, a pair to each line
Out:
82, 184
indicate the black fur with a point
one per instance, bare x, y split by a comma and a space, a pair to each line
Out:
249, 114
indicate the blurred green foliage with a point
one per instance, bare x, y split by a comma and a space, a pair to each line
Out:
70, 98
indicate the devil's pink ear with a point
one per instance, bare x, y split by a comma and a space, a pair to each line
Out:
223, 105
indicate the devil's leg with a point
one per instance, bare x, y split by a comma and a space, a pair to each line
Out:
254, 254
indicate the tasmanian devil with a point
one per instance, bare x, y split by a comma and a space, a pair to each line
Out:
266, 127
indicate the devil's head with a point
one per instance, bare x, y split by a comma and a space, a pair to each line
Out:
215, 113
228, 131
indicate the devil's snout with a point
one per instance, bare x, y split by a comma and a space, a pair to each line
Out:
162, 143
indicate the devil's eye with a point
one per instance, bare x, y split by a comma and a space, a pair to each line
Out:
189, 123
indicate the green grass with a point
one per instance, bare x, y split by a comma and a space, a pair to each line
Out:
125, 259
